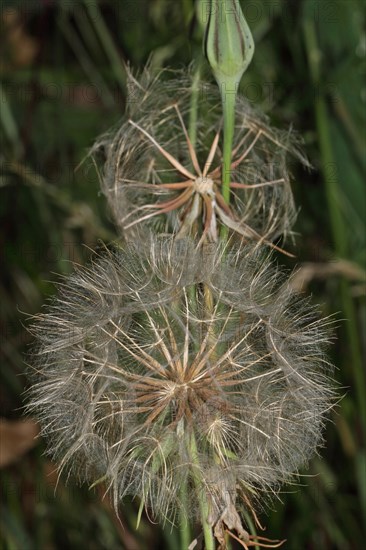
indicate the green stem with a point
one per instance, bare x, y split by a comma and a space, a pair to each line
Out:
251, 526
8, 122
228, 98
203, 504
228, 105
185, 531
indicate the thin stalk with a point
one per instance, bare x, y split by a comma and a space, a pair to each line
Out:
251, 526
185, 531
85, 61
107, 42
228, 106
87, 32
338, 227
203, 504
8, 122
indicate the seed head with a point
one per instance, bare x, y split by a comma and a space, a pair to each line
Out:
156, 178
182, 367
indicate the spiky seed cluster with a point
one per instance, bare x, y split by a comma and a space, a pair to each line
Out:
181, 367
154, 172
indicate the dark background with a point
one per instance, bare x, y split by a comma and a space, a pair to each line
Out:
63, 84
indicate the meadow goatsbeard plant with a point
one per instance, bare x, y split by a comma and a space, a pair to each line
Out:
172, 366
180, 368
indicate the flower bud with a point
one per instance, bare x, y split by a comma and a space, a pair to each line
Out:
229, 44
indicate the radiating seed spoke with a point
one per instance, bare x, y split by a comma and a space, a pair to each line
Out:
173, 161
191, 149
211, 155
236, 185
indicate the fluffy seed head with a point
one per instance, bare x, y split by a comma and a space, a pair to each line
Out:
154, 170
181, 367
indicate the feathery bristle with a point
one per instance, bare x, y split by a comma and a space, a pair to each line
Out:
138, 171
160, 368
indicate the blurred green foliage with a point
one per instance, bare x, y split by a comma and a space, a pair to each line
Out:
63, 84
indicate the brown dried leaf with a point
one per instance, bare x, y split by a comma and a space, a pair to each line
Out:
16, 438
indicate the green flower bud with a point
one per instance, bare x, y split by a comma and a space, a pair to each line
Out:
229, 45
